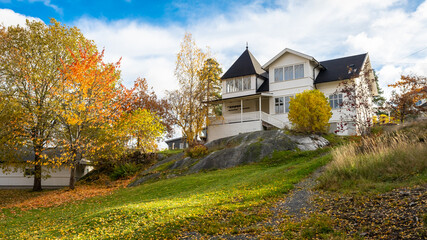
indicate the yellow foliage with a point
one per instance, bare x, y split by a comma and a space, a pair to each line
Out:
310, 112
384, 119
145, 126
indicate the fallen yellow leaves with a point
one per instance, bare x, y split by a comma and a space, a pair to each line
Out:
26, 199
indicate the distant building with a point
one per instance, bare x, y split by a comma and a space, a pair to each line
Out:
23, 177
181, 142
177, 143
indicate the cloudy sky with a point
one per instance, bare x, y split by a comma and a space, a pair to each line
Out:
147, 34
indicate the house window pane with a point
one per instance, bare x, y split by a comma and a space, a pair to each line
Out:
278, 75
278, 105
335, 100
289, 73
229, 87
238, 84
299, 71
246, 83
287, 100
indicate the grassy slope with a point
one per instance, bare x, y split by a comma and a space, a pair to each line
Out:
222, 201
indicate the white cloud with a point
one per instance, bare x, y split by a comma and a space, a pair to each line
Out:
9, 18
322, 29
48, 3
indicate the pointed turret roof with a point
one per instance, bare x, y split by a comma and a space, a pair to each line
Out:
246, 64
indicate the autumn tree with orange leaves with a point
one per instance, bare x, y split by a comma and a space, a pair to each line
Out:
411, 89
88, 92
30, 59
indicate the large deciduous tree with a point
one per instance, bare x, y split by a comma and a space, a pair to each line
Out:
187, 103
411, 89
30, 63
357, 107
210, 86
87, 92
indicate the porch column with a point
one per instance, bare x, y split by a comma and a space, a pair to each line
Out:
259, 107
241, 110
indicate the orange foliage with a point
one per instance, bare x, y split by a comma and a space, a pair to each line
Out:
88, 94
140, 96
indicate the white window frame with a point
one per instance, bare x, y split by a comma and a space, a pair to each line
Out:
287, 100
295, 71
246, 83
238, 84
276, 76
335, 100
279, 105
288, 73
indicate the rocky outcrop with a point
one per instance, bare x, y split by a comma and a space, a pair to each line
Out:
233, 151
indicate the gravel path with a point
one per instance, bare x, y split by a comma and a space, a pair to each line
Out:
299, 202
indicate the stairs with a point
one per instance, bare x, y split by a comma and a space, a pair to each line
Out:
270, 122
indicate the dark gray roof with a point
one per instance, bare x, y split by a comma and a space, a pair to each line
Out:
27, 154
178, 139
246, 64
338, 69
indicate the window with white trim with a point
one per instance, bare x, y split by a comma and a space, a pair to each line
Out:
278, 75
289, 73
246, 83
335, 100
287, 101
278, 105
229, 86
299, 71
238, 84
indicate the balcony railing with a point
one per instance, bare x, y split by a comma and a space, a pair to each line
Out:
248, 117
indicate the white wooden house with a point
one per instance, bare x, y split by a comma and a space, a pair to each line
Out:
23, 176
256, 97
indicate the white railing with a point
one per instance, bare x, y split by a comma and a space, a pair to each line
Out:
235, 118
247, 117
272, 120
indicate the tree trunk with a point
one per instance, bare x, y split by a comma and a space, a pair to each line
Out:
37, 186
72, 176
37, 177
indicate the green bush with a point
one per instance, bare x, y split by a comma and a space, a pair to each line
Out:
197, 151
124, 171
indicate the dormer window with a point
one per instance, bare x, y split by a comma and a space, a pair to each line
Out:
238, 84
289, 73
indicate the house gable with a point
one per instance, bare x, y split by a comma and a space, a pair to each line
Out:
289, 51
301, 72
245, 77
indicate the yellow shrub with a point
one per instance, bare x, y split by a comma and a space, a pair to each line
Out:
310, 112
197, 151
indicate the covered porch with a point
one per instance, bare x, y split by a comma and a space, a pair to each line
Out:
241, 109
241, 115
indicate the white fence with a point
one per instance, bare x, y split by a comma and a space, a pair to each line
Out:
247, 117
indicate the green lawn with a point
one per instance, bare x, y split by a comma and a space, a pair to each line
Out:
221, 201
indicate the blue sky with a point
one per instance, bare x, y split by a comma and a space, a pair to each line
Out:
146, 34
159, 12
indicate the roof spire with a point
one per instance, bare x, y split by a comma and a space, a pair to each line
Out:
246, 45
